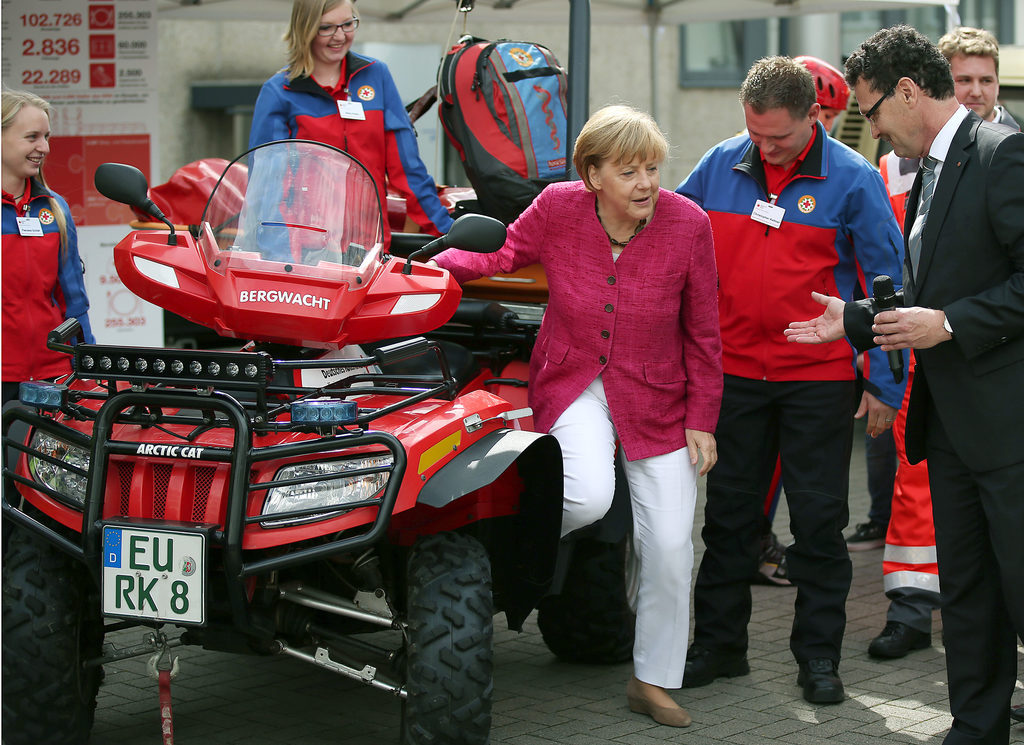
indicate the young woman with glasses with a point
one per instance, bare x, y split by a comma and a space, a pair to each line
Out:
330, 94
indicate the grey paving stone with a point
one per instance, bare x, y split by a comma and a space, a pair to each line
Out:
222, 699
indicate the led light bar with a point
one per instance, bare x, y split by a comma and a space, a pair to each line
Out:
175, 366
324, 411
47, 396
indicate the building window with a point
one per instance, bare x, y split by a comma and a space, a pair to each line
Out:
992, 15
858, 26
718, 54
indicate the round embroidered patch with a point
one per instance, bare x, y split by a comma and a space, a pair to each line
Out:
45, 216
366, 93
524, 58
806, 203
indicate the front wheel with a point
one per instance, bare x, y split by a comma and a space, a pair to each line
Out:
51, 625
450, 633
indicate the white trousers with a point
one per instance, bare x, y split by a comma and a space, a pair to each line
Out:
663, 491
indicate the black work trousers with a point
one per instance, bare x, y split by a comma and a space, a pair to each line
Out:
810, 425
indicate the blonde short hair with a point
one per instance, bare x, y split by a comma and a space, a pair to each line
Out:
306, 15
617, 134
969, 42
11, 103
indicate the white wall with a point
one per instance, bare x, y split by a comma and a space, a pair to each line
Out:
200, 50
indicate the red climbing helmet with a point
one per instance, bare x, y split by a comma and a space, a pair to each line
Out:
832, 90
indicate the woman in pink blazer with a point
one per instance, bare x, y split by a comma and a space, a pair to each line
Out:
628, 355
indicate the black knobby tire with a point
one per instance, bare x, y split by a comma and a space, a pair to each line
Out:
51, 623
450, 654
590, 621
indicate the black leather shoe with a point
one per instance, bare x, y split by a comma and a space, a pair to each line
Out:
1017, 713
896, 640
820, 681
867, 536
703, 666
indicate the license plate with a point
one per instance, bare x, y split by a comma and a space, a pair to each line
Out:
154, 574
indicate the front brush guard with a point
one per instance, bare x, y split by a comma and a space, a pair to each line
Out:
240, 457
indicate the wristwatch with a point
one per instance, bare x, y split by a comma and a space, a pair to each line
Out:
945, 325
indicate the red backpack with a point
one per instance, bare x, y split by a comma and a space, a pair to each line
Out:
503, 107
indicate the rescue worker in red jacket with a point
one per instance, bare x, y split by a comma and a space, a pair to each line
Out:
831, 94
330, 94
789, 206
42, 272
909, 568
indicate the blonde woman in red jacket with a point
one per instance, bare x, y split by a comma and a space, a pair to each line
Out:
42, 271
628, 356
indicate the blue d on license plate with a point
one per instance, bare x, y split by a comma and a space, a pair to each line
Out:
154, 574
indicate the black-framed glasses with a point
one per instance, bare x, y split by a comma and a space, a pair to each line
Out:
330, 29
874, 109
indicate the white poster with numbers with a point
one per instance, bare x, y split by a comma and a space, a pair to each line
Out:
96, 62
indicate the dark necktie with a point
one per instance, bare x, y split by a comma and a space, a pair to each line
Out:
928, 180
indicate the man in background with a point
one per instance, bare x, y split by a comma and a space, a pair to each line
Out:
973, 55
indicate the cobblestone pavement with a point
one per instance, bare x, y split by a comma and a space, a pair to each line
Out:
222, 699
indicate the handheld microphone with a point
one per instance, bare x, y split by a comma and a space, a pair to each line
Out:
885, 299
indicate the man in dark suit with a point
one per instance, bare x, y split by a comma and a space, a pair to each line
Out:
963, 315
910, 577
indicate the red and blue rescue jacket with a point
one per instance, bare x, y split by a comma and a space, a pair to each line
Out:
384, 141
41, 288
838, 233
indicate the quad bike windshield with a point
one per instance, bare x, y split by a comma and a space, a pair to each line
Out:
289, 205
289, 250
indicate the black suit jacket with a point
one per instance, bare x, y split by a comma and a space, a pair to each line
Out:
971, 267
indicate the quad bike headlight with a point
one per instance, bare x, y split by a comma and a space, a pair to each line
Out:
69, 483
325, 486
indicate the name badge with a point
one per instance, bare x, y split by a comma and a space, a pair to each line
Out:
29, 226
351, 110
767, 213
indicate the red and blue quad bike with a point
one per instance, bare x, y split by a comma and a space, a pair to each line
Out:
360, 510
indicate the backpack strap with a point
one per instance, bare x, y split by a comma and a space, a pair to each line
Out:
478, 84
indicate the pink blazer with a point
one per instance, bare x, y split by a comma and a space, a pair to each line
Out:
646, 323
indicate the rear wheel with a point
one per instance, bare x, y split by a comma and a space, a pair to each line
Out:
590, 621
51, 624
450, 634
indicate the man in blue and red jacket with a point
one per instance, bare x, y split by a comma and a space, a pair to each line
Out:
380, 135
790, 208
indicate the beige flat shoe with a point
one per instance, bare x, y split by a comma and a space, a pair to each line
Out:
639, 702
